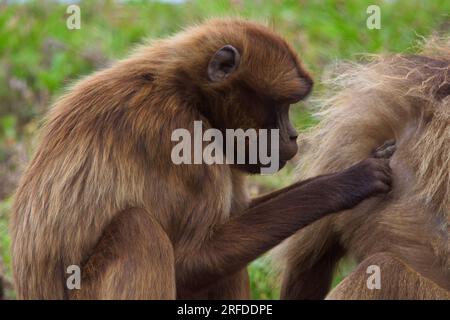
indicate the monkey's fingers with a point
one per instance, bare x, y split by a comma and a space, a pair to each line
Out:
386, 150
384, 173
382, 187
384, 177
385, 153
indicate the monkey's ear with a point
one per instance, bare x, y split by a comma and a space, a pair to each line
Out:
223, 63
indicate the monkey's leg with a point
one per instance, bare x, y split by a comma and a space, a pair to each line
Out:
309, 278
233, 287
397, 281
133, 260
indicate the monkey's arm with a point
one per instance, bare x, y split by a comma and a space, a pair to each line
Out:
385, 151
241, 240
271, 195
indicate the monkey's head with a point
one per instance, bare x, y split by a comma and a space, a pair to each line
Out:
247, 77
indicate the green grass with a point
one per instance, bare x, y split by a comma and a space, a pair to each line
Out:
5, 258
39, 56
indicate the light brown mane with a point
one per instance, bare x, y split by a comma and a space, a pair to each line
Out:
384, 98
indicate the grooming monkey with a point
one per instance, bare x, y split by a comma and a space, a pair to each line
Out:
102, 192
405, 98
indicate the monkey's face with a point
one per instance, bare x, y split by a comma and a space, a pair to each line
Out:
258, 96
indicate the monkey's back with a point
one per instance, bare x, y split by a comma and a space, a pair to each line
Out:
406, 98
71, 189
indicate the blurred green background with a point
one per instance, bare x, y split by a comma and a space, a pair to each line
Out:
39, 56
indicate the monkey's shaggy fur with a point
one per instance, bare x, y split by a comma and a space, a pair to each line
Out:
401, 97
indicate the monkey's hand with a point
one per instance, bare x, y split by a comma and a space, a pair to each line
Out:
367, 178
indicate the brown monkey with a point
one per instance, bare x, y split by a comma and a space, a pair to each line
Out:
406, 98
102, 191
